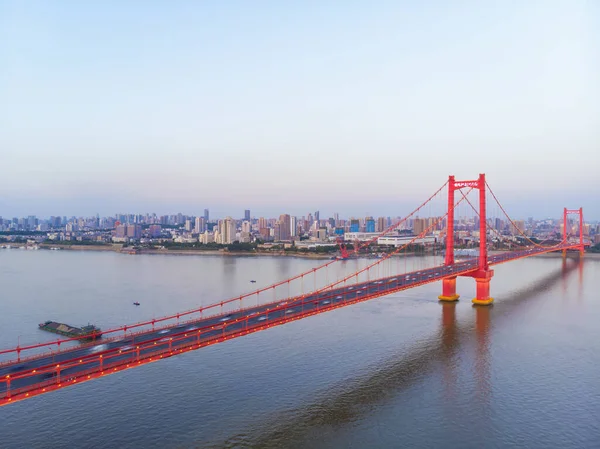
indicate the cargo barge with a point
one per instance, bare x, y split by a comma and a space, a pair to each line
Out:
89, 332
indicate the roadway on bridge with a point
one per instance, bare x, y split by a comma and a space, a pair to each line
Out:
81, 360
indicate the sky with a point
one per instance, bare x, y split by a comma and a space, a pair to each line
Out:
356, 107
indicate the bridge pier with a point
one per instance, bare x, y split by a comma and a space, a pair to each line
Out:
483, 279
449, 290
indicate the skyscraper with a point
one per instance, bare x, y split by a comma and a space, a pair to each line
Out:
369, 224
228, 231
293, 227
200, 225
206, 215
419, 225
247, 215
277, 231
285, 227
381, 224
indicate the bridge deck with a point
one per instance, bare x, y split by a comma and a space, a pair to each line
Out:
47, 372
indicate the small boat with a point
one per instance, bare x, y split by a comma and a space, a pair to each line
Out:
253, 281
136, 303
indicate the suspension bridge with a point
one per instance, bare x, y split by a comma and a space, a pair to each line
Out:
30, 370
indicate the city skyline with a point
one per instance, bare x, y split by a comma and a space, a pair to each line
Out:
256, 217
345, 107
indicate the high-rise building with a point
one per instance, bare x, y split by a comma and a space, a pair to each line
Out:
520, 227
207, 237
154, 231
265, 233
285, 227
199, 225
322, 234
277, 231
247, 215
419, 225
317, 216
381, 224
499, 224
188, 225
293, 227
227, 231
206, 215
369, 224
120, 231
354, 225
134, 231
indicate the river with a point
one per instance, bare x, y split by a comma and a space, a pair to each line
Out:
394, 372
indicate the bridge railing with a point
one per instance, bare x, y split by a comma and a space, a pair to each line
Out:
288, 311
300, 301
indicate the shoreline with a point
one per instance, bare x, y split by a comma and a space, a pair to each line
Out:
118, 248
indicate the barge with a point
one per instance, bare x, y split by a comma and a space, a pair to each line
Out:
89, 332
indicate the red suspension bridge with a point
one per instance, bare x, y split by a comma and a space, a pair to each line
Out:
35, 369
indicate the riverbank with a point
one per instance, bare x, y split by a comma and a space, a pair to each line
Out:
195, 252
118, 248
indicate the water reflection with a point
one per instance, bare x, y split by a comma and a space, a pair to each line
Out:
509, 303
580, 266
563, 276
567, 266
353, 399
449, 338
229, 265
284, 267
481, 368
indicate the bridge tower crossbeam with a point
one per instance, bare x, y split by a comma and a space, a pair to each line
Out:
483, 274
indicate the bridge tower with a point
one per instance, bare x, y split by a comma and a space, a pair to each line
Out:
566, 214
483, 274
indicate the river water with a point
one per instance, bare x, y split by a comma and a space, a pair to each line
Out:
394, 372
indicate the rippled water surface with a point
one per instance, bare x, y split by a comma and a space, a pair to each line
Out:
398, 371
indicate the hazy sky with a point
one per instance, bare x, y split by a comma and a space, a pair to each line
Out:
343, 106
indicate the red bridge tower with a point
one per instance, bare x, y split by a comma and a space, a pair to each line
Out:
483, 274
581, 224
